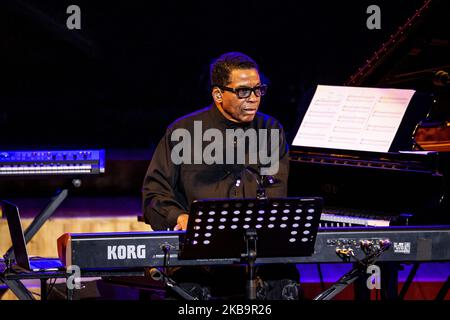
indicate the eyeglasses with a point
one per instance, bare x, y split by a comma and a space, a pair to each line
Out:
245, 92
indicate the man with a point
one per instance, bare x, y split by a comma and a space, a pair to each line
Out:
227, 150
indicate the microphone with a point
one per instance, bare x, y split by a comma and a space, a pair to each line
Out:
260, 181
157, 275
270, 179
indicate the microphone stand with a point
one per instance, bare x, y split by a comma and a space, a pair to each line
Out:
260, 181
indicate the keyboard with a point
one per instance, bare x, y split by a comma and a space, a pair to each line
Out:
62, 162
147, 249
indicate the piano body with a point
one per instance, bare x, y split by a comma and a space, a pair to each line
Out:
373, 189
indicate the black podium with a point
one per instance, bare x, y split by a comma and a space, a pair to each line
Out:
244, 229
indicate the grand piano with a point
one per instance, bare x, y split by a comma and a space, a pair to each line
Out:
385, 189
391, 188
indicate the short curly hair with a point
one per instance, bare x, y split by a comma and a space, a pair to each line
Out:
222, 67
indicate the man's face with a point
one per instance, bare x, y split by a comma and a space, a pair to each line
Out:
241, 110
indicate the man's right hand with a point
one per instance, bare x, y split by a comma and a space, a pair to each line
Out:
182, 221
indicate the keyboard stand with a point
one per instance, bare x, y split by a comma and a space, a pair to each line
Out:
43, 216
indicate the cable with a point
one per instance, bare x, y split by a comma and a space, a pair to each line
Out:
355, 257
322, 282
51, 287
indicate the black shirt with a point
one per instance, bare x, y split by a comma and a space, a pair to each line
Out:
170, 188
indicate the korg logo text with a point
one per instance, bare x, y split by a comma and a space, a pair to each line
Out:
126, 252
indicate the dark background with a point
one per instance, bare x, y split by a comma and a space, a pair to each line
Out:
136, 66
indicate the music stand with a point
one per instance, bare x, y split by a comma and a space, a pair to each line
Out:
244, 229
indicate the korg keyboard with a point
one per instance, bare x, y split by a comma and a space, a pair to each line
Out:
128, 250
51, 162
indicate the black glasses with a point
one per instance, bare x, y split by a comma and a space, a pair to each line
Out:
245, 92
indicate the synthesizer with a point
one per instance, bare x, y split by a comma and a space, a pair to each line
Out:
333, 245
51, 162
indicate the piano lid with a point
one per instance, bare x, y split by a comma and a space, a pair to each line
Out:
417, 56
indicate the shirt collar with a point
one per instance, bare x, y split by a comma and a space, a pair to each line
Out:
220, 119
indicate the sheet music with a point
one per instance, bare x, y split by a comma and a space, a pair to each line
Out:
353, 118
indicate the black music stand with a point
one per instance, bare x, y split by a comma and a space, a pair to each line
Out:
246, 229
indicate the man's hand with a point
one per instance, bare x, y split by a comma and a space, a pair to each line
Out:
182, 221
